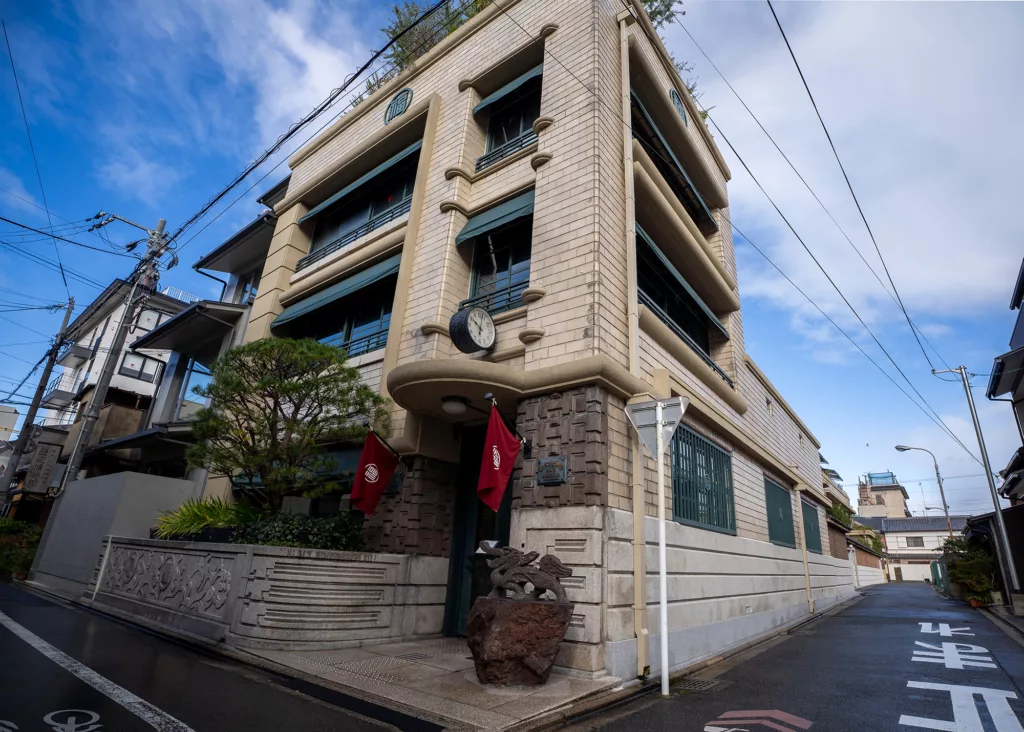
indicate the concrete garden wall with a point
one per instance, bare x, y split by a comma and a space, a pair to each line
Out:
867, 576
831, 579
272, 597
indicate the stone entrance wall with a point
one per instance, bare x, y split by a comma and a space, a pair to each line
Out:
272, 597
418, 520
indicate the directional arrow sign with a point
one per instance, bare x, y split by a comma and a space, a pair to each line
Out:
643, 417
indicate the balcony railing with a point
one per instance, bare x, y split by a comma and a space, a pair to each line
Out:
500, 153
364, 344
375, 223
664, 318
507, 298
180, 295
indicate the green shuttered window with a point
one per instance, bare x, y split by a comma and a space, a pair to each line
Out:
812, 529
701, 482
780, 514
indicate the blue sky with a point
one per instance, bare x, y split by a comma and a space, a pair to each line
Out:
146, 109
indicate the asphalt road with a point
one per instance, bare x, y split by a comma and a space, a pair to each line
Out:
66, 669
854, 671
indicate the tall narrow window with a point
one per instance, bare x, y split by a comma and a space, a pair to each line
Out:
511, 110
702, 491
501, 267
677, 102
812, 529
779, 505
357, 323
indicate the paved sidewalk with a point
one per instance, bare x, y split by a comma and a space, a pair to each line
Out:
437, 676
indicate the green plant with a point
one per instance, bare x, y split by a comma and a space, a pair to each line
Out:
18, 543
840, 513
273, 404
196, 514
343, 531
971, 566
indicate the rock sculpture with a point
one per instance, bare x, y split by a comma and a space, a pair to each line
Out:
513, 633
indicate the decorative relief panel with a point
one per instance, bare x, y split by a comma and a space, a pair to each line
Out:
195, 582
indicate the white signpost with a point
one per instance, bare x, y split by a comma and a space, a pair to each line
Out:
655, 423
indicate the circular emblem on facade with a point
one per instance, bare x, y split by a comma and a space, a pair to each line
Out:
398, 105
371, 473
495, 457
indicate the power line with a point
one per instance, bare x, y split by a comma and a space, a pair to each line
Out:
61, 238
810, 190
850, 186
942, 425
22, 325
43, 261
32, 148
296, 127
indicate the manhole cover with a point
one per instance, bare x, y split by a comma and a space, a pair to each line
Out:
696, 685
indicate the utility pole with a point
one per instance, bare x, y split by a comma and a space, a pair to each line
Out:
30, 417
143, 283
938, 477
1011, 568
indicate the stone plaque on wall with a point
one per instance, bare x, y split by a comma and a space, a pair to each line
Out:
44, 460
552, 470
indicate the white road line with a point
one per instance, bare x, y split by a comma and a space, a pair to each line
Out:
141, 708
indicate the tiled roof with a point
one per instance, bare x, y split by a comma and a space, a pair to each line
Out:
872, 522
923, 523
919, 555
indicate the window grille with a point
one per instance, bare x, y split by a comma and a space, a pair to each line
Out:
702, 491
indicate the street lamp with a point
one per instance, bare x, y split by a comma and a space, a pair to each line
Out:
938, 477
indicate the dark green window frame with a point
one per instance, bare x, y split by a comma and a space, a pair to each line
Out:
510, 123
501, 267
658, 150
779, 507
702, 489
812, 527
358, 323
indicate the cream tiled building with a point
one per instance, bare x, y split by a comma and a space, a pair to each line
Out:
545, 163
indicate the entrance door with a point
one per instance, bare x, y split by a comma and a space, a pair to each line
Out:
469, 575
899, 574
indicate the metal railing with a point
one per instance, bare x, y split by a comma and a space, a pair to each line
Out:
64, 418
65, 382
507, 298
180, 295
664, 318
500, 153
375, 223
364, 344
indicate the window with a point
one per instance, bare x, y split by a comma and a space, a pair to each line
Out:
769, 406
148, 319
512, 111
779, 505
812, 529
501, 267
141, 367
702, 492
658, 150
245, 290
915, 541
664, 291
188, 402
677, 102
398, 105
358, 322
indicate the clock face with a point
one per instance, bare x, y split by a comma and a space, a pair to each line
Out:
480, 328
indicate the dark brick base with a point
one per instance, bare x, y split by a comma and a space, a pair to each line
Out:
419, 519
571, 423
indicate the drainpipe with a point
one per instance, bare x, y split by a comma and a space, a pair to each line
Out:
223, 284
643, 664
803, 549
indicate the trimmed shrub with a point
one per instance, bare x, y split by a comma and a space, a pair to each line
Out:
18, 543
343, 531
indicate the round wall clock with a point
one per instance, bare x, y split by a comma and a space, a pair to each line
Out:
472, 330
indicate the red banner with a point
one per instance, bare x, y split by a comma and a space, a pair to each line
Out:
500, 450
376, 466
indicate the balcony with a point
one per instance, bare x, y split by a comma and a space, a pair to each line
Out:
177, 294
1017, 339
360, 231
62, 390
74, 355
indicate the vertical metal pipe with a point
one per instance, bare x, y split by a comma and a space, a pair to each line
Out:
662, 553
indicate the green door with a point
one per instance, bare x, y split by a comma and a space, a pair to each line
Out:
812, 529
779, 506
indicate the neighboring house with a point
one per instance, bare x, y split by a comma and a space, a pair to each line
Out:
1007, 384
553, 171
8, 419
39, 471
982, 530
869, 567
83, 358
912, 543
189, 342
880, 494
837, 529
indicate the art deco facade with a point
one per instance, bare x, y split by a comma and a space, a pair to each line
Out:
545, 163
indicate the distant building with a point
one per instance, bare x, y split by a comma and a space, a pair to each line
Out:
912, 543
881, 495
8, 418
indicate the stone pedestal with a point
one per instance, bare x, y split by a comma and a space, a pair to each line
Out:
514, 642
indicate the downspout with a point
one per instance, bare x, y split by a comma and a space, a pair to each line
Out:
223, 284
643, 664
803, 549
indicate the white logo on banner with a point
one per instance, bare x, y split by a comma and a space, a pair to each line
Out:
371, 473
954, 655
965, 709
496, 457
943, 629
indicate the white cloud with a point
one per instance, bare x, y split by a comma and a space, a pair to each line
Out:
934, 330
15, 196
136, 176
923, 102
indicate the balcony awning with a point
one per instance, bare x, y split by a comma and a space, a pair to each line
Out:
192, 328
363, 180
710, 318
508, 88
492, 218
338, 290
1006, 374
